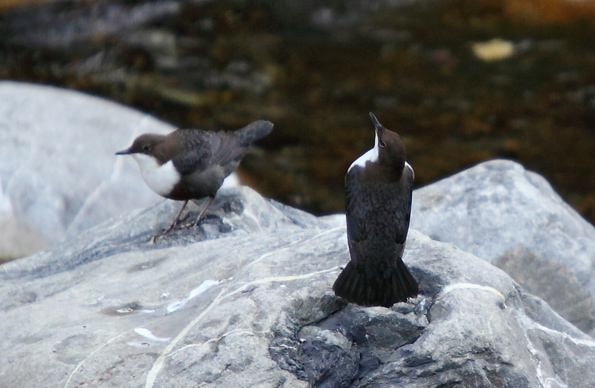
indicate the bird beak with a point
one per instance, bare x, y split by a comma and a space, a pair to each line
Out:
375, 121
124, 152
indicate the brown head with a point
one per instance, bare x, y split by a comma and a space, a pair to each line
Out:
391, 150
149, 144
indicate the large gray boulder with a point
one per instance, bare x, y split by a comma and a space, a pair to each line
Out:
58, 171
512, 218
245, 300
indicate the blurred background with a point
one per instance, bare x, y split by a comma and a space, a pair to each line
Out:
462, 81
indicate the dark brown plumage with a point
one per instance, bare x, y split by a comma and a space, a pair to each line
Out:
378, 188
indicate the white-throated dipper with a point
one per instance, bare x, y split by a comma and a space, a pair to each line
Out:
192, 163
378, 189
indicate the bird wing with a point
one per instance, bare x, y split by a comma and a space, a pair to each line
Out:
355, 213
210, 148
194, 151
402, 212
226, 147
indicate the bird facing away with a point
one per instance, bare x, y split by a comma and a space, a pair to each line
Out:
378, 189
192, 163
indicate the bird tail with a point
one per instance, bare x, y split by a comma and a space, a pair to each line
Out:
254, 131
368, 285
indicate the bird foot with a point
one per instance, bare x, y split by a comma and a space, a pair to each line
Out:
192, 224
156, 237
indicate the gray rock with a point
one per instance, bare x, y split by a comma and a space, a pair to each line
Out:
58, 171
246, 300
554, 283
497, 208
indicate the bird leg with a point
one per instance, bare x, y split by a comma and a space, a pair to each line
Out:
171, 227
203, 211
176, 219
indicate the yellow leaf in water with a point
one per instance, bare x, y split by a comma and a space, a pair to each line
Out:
493, 50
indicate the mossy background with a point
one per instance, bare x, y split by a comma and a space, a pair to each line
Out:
222, 64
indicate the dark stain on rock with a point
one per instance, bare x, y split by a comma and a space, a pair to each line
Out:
127, 309
347, 344
146, 265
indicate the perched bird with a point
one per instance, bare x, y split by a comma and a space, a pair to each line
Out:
378, 189
192, 163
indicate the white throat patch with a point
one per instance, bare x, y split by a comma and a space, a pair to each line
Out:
160, 178
407, 165
370, 156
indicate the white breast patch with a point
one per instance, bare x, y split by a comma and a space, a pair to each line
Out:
407, 165
160, 178
370, 156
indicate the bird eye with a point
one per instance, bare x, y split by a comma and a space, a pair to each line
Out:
381, 143
146, 148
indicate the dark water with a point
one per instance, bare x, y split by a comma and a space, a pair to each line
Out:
316, 71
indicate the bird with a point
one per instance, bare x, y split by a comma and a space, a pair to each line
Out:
378, 193
191, 164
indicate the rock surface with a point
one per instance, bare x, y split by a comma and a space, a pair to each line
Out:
58, 171
246, 300
512, 218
